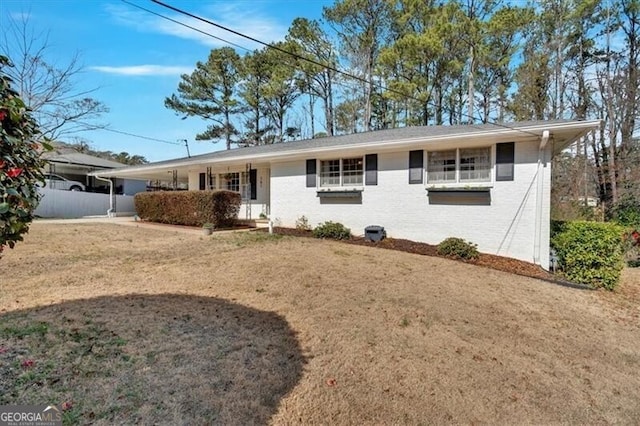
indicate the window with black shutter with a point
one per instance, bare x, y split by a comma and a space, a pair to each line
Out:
253, 177
203, 181
311, 173
416, 166
371, 169
505, 158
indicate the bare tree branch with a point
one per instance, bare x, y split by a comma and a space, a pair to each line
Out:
49, 89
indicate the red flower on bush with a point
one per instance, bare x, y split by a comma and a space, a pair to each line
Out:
28, 363
3, 114
15, 172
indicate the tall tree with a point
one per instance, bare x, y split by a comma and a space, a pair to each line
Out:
314, 44
281, 90
362, 26
495, 58
210, 92
255, 76
49, 89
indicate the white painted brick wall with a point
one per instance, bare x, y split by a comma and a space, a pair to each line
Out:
506, 227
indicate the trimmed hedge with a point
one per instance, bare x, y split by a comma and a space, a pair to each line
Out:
591, 253
191, 208
458, 248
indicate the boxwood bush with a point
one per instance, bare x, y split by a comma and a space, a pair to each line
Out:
191, 208
591, 253
458, 249
333, 230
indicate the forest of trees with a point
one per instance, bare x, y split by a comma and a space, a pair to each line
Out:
377, 64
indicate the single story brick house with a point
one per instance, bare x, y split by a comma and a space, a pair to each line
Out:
489, 184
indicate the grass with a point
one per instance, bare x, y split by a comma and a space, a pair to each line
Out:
136, 325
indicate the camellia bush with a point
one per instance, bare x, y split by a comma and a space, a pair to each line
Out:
20, 163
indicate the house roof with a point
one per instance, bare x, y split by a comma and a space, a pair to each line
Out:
563, 133
80, 159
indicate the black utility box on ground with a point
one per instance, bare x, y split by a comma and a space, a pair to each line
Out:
374, 233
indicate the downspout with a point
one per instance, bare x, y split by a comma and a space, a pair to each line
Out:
110, 211
539, 198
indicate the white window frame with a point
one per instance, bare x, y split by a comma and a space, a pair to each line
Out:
228, 182
341, 174
458, 181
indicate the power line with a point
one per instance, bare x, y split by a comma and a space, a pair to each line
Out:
185, 25
88, 126
295, 55
134, 135
121, 132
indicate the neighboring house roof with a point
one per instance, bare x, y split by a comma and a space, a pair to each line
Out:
80, 159
563, 133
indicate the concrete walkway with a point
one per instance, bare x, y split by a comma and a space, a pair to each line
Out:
130, 221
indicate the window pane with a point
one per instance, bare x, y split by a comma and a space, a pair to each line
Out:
352, 171
330, 173
441, 166
475, 165
233, 182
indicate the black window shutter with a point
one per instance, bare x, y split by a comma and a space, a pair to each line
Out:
505, 157
253, 177
371, 169
311, 173
416, 165
203, 181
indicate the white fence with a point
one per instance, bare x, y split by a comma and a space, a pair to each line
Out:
70, 204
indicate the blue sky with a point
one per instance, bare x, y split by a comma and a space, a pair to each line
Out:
135, 59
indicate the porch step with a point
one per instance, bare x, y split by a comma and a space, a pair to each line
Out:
255, 223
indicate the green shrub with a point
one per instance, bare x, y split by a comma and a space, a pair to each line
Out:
557, 226
591, 253
458, 249
333, 230
191, 208
626, 211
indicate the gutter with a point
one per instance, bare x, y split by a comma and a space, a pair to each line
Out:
110, 212
537, 246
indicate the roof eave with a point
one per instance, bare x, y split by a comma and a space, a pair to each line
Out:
518, 133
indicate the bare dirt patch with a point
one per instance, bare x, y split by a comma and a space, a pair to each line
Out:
386, 337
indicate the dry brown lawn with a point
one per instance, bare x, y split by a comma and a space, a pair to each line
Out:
139, 325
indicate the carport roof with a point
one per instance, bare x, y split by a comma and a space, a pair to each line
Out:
80, 159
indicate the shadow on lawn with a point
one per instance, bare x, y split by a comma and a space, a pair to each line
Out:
170, 358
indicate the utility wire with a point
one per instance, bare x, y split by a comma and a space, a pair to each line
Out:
185, 25
295, 55
135, 136
87, 126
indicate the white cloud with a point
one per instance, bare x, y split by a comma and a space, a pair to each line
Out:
143, 70
231, 16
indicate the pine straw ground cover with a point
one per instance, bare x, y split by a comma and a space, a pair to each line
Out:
135, 325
